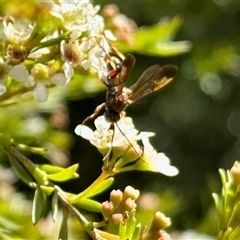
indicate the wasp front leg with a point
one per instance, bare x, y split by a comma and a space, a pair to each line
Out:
95, 113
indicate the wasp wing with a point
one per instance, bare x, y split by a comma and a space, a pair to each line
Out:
152, 79
127, 66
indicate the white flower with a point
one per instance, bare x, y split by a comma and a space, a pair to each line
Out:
103, 137
153, 161
75, 15
125, 147
17, 32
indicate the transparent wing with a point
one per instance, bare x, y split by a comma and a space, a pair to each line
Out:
152, 79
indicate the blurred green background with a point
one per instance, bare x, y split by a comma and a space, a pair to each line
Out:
195, 118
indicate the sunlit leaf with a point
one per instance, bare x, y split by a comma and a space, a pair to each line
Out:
36, 150
102, 186
89, 204
123, 228
131, 224
50, 169
66, 174
47, 189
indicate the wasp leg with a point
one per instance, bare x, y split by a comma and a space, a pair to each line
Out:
95, 113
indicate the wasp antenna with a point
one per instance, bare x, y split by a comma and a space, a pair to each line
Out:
110, 150
140, 157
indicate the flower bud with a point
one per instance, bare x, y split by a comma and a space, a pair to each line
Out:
156, 232
160, 221
235, 171
116, 197
130, 192
129, 204
116, 218
107, 209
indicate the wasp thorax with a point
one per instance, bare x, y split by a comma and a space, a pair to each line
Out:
112, 116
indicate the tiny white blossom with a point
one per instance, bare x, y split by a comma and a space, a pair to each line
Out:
18, 31
75, 15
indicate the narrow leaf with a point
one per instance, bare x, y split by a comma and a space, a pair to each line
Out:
102, 186
63, 233
55, 205
123, 228
137, 232
50, 169
89, 204
131, 224
21, 171
37, 207
36, 150
66, 174
47, 190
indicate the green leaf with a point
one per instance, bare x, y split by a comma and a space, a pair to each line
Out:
47, 189
63, 233
55, 205
123, 227
89, 204
131, 224
41, 151
137, 232
156, 40
50, 169
21, 171
65, 174
37, 207
102, 186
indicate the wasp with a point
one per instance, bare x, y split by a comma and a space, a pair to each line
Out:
119, 97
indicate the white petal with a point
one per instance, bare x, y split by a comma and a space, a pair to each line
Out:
84, 132
29, 82
19, 73
170, 171
86, 64
2, 88
40, 93
163, 164
59, 79
68, 70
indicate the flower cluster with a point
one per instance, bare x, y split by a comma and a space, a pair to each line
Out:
36, 57
126, 153
119, 203
121, 209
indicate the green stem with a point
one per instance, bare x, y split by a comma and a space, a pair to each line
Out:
38, 174
104, 175
9, 95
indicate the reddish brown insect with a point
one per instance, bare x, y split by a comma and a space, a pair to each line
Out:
118, 97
